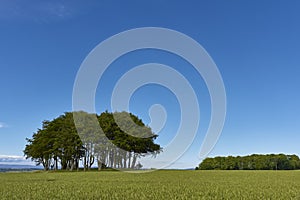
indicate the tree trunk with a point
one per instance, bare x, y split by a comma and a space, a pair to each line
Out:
129, 159
91, 161
124, 162
99, 165
133, 161
72, 164
84, 163
56, 163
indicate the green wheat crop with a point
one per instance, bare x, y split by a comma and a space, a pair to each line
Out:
167, 184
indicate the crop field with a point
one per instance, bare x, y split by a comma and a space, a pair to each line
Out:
167, 184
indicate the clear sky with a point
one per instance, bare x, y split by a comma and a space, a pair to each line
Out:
255, 45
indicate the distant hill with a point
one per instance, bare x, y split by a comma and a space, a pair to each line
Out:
10, 167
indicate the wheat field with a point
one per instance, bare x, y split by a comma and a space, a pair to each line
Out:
162, 184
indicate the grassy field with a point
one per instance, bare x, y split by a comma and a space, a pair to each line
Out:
154, 185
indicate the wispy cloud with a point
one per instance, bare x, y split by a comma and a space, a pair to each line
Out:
2, 125
54, 10
39, 11
7, 158
12, 159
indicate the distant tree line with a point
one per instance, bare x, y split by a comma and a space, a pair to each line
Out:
252, 162
58, 145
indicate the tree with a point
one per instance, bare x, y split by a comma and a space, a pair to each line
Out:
252, 162
56, 141
128, 139
60, 142
39, 149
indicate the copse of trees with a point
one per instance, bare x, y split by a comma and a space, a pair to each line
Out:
136, 141
252, 162
57, 143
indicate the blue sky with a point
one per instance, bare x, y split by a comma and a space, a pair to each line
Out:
255, 45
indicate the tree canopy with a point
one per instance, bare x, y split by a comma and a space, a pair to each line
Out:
252, 162
57, 143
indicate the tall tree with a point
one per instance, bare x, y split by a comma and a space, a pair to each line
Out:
56, 141
121, 141
129, 139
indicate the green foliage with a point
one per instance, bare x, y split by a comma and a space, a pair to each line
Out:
155, 185
252, 162
129, 139
134, 137
58, 143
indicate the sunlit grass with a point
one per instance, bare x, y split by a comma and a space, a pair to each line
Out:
154, 185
